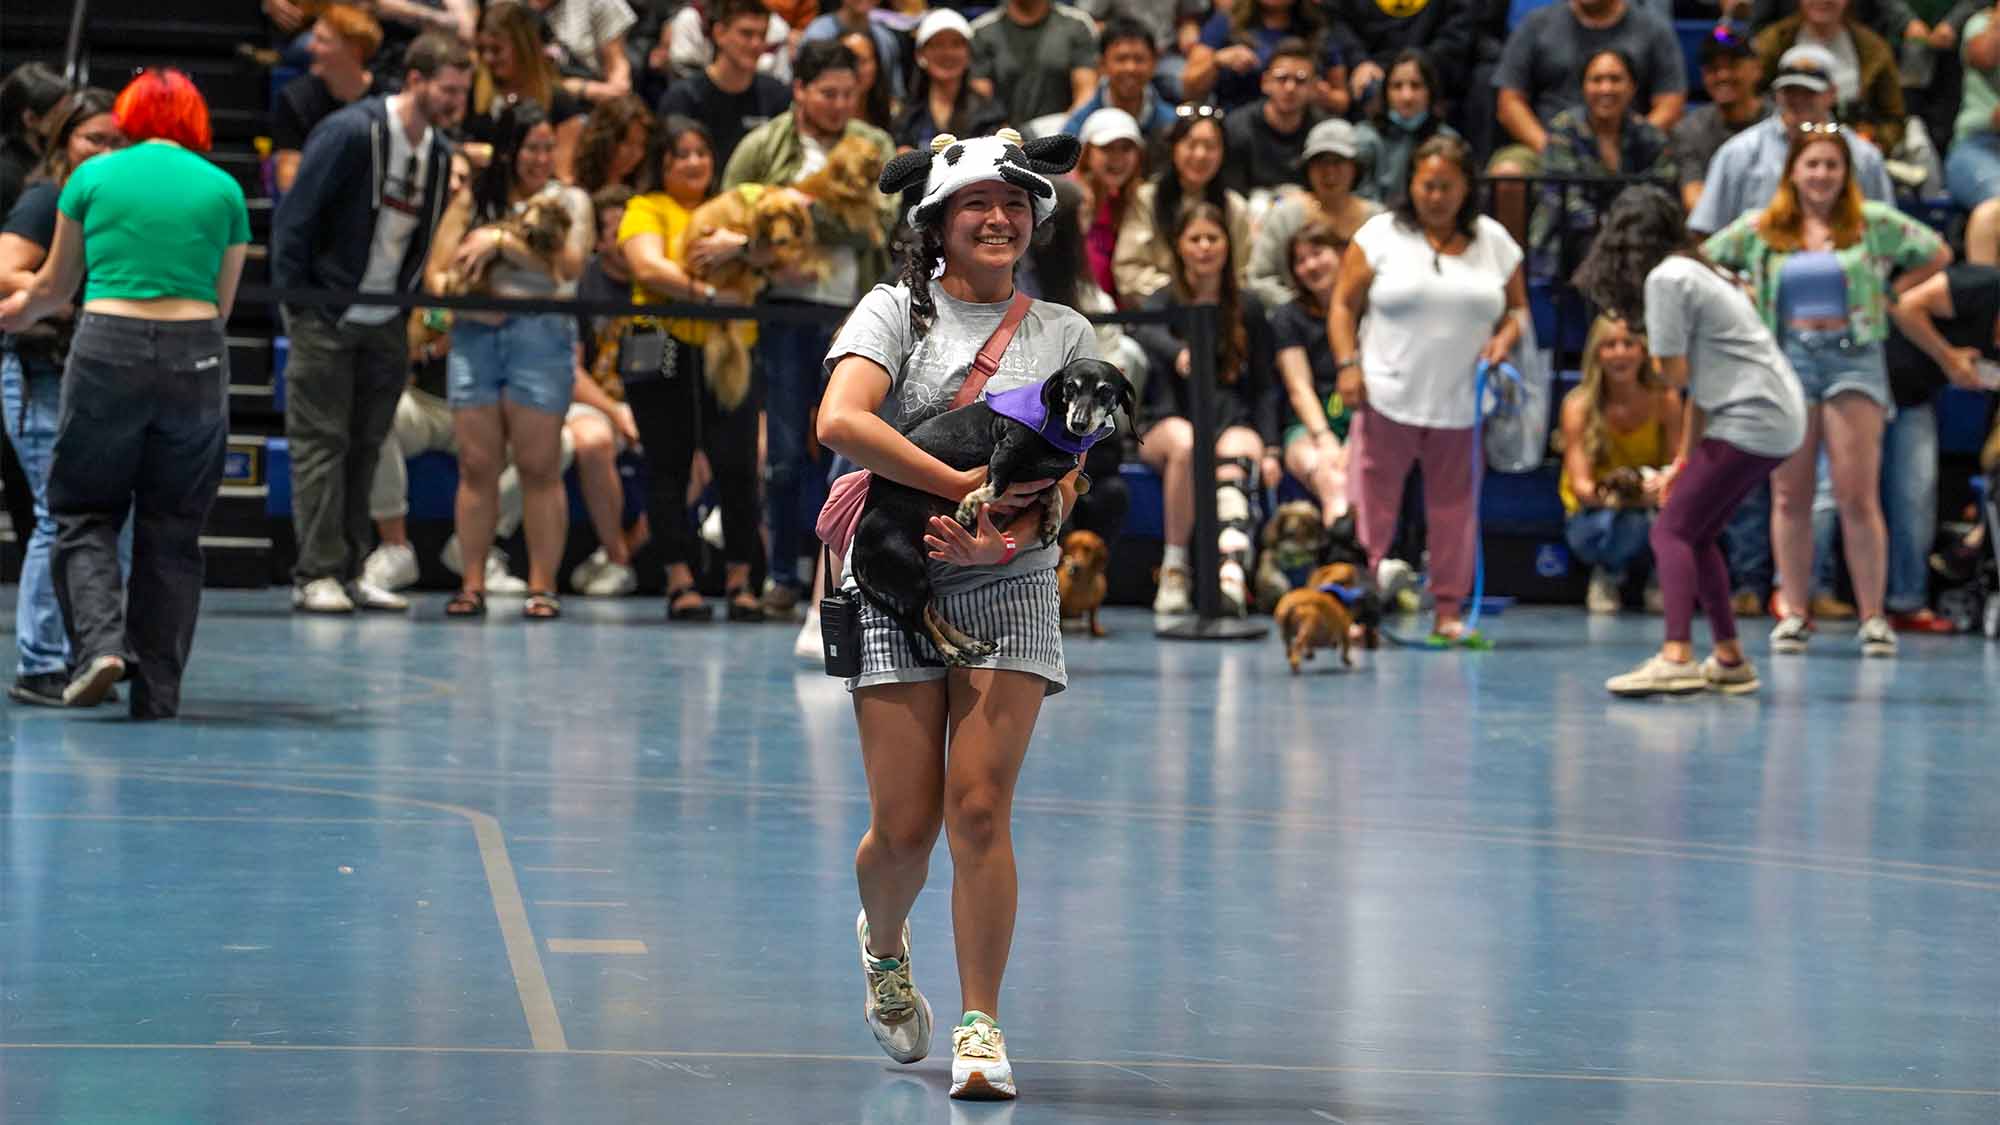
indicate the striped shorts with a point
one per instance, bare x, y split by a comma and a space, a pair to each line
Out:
1021, 615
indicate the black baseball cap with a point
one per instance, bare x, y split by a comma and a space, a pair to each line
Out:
1727, 40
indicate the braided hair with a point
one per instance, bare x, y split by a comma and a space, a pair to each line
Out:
923, 252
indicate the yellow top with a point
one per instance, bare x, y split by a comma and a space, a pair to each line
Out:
1643, 448
657, 213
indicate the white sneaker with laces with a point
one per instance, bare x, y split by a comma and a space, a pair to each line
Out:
367, 595
322, 595
613, 580
587, 570
1878, 637
392, 566
896, 1012
1791, 634
1603, 596
809, 647
1659, 676
1175, 596
498, 579
1736, 679
979, 1067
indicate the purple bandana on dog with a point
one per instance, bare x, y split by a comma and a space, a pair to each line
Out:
1024, 405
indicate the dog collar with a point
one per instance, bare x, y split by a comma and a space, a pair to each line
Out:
1024, 405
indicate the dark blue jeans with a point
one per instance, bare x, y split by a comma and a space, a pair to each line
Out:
144, 423
790, 357
1610, 539
1746, 543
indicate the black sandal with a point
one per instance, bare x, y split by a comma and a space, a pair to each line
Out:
541, 605
741, 609
466, 604
697, 612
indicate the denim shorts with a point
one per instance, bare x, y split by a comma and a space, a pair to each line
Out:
528, 360
1831, 363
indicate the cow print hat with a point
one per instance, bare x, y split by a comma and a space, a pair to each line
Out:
926, 180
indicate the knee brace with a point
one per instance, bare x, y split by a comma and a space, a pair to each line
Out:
1234, 517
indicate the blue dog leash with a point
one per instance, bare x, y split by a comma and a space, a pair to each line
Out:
1506, 403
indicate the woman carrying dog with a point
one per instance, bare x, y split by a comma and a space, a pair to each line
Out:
943, 748
509, 377
1744, 414
674, 404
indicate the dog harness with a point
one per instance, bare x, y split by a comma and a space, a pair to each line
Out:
1024, 405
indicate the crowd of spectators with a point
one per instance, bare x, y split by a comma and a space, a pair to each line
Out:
1260, 154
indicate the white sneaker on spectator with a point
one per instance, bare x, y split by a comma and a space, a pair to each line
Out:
453, 557
499, 581
1791, 634
392, 566
1603, 596
613, 580
1878, 637
808, 647
1399, 584
367, 595
588, 570
1175, 597
711, 528
322, 595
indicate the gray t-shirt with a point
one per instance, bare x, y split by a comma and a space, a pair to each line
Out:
1545, 53
925, 374
1736, 374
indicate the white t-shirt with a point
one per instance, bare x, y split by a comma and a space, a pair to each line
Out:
402, 208
1428, 317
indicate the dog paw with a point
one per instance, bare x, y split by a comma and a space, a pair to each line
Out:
968, 508
967, 653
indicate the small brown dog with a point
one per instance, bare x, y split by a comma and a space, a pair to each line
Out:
1365, 613
542, 224
1621, 488
846, 186
1080, 577
775, 222
1309, 620
1291, 545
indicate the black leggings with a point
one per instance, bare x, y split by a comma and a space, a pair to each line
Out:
677, 415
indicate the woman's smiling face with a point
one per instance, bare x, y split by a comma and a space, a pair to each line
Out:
987, 226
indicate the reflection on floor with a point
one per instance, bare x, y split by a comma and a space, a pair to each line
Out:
600, 871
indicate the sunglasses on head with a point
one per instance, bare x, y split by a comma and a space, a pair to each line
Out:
1821, 128
1197, 111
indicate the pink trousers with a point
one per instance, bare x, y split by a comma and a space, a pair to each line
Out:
1382, 453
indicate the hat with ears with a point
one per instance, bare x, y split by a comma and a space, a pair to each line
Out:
927, 179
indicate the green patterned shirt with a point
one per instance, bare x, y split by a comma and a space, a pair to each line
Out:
1890, 240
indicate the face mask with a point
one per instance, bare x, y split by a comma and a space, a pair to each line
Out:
1409, 121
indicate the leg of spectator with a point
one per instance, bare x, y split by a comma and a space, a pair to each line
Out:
535, 436
1909, 504
381, 370
32, 392
179, 472
1972, 171
1825, 531
319, 399
1791, 519
481, 445
1381, 452
790, 397
1451, 498
92, 467
1589, 534
1169, 450
596, 447
1854, 425
412, 431
729, 444
1626, 545
664, 410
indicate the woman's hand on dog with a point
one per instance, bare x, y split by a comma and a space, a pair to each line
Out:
708, 254
948, 542
475, 249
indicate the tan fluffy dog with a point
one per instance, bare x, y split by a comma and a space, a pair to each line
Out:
1291, 542
775, 222
1080, 577
542, 224
1310, 620
846, 186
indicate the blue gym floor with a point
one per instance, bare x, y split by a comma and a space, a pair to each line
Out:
600, 871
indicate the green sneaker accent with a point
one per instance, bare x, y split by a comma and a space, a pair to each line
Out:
971, 1017
888, 964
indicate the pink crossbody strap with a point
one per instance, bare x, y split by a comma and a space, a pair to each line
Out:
988, 360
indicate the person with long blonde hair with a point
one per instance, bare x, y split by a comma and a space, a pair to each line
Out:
1818, 258
513, 67
1621, 417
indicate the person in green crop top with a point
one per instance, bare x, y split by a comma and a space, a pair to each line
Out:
144, 418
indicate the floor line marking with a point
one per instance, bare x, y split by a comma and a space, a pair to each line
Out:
582, 905
1129, 1064
531, 983
602, 947
567, 870
167, 819
556, 839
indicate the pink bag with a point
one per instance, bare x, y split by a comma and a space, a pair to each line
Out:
841, 513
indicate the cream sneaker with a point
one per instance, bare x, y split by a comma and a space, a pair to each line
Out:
1740, 679
1175, 597
896, 1012
1658, 676
979, 1067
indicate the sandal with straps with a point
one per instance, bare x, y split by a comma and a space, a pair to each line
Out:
696, 612
466, 604
541, 606
744, 605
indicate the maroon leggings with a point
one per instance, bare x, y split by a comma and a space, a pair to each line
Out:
1685, 554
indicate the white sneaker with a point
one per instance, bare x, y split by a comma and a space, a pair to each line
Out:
322, 595
896, 1012
1878, 637
613, 580
808, 648
1791, 634
367, 595
392, 566
453, 556
979, 1067
1603, 596
588, 570
498, 579
711, 528
1739, 679
1174, 598
1400, 585
1658, 676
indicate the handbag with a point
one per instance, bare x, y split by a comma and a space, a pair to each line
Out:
841, 513
646, 354
1515, 410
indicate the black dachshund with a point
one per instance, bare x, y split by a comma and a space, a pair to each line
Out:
1030, 433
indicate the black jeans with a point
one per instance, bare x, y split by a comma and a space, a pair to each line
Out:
342, 382
144, 423
678, 414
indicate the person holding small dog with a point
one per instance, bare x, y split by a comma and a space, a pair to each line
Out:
1618, 427
942, 747
678, 412
510, 376
1442, 289
1246, 409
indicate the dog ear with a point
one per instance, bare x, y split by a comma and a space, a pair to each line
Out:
1051, 392
906, 171
1052, 155
1128, 401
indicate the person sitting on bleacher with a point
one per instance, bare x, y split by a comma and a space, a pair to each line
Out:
513, 67
1268, 136
588, 39
370, 188
1868, 92
600, 425
1618, 427
1409, 112
1315, 443
1731, 74
1196, 152
730, 96
343, 39
1127, 60
1541, 72
1600, 137
1973, 169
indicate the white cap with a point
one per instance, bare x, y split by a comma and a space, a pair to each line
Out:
1808, 65
1110, 124
942, 19
1332, 137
